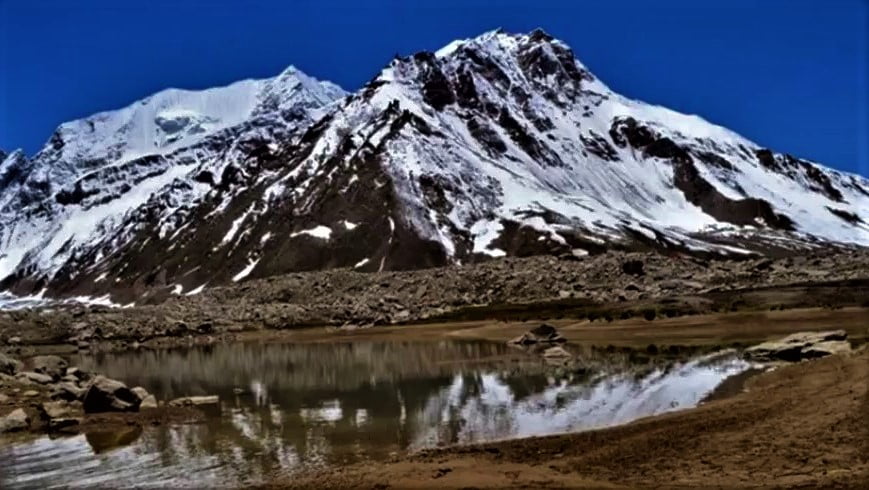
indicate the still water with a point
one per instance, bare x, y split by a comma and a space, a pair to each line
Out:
285, 407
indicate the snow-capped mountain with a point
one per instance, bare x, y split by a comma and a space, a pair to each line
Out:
498, 145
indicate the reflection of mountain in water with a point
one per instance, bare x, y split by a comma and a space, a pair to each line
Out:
317, 404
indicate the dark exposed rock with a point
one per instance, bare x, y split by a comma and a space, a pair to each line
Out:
598, 145
109, 395
633, 267
851, 218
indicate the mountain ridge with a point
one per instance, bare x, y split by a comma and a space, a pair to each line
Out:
503, 144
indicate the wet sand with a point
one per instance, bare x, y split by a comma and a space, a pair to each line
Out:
802, 425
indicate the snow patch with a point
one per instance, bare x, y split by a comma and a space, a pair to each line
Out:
196, 290
246, 271
319, 231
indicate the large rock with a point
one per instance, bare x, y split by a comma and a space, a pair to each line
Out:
53, 366
799, 346
545, 333
15, 421
109, 395
8, 365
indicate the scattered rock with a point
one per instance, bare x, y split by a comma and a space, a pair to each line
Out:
188, 401
53, 366
799, 346
8, 365
42, 379
15, 421
545, 333
67, 391
109, 395
30, 393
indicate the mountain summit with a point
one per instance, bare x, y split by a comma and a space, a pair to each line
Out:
503, 144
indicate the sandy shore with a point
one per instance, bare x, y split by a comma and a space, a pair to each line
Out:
802, 425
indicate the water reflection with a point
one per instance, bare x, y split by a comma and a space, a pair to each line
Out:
289, 406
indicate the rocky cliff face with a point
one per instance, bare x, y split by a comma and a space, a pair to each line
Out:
498, 145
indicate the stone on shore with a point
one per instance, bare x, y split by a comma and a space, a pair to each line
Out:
800, 346
15, 421
544, 334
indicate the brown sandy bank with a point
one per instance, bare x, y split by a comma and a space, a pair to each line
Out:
804, 425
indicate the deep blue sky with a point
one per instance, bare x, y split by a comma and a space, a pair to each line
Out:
789, 74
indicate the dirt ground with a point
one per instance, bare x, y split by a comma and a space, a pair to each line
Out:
803, 425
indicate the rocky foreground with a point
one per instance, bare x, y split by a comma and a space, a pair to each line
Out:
601, 287
45, 394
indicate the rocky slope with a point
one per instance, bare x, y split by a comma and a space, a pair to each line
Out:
603, 287
498, 145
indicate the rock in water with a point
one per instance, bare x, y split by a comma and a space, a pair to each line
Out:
146, 400
15, 421
545, 333
188, 401
557, 352
109, 395
8, 365
61, 415
53, 366
799, 346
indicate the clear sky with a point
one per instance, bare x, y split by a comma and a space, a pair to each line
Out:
788, 74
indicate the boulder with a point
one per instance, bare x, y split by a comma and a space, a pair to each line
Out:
109, 395
67, 391
799, 346
189, 401
8, 365
545, 333
53, 366
15, 421
39, 378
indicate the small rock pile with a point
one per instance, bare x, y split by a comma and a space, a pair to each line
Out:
71, 394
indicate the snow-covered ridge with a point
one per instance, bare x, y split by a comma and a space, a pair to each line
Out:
93, 171
503, 144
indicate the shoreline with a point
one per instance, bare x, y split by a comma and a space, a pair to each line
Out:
765, 436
